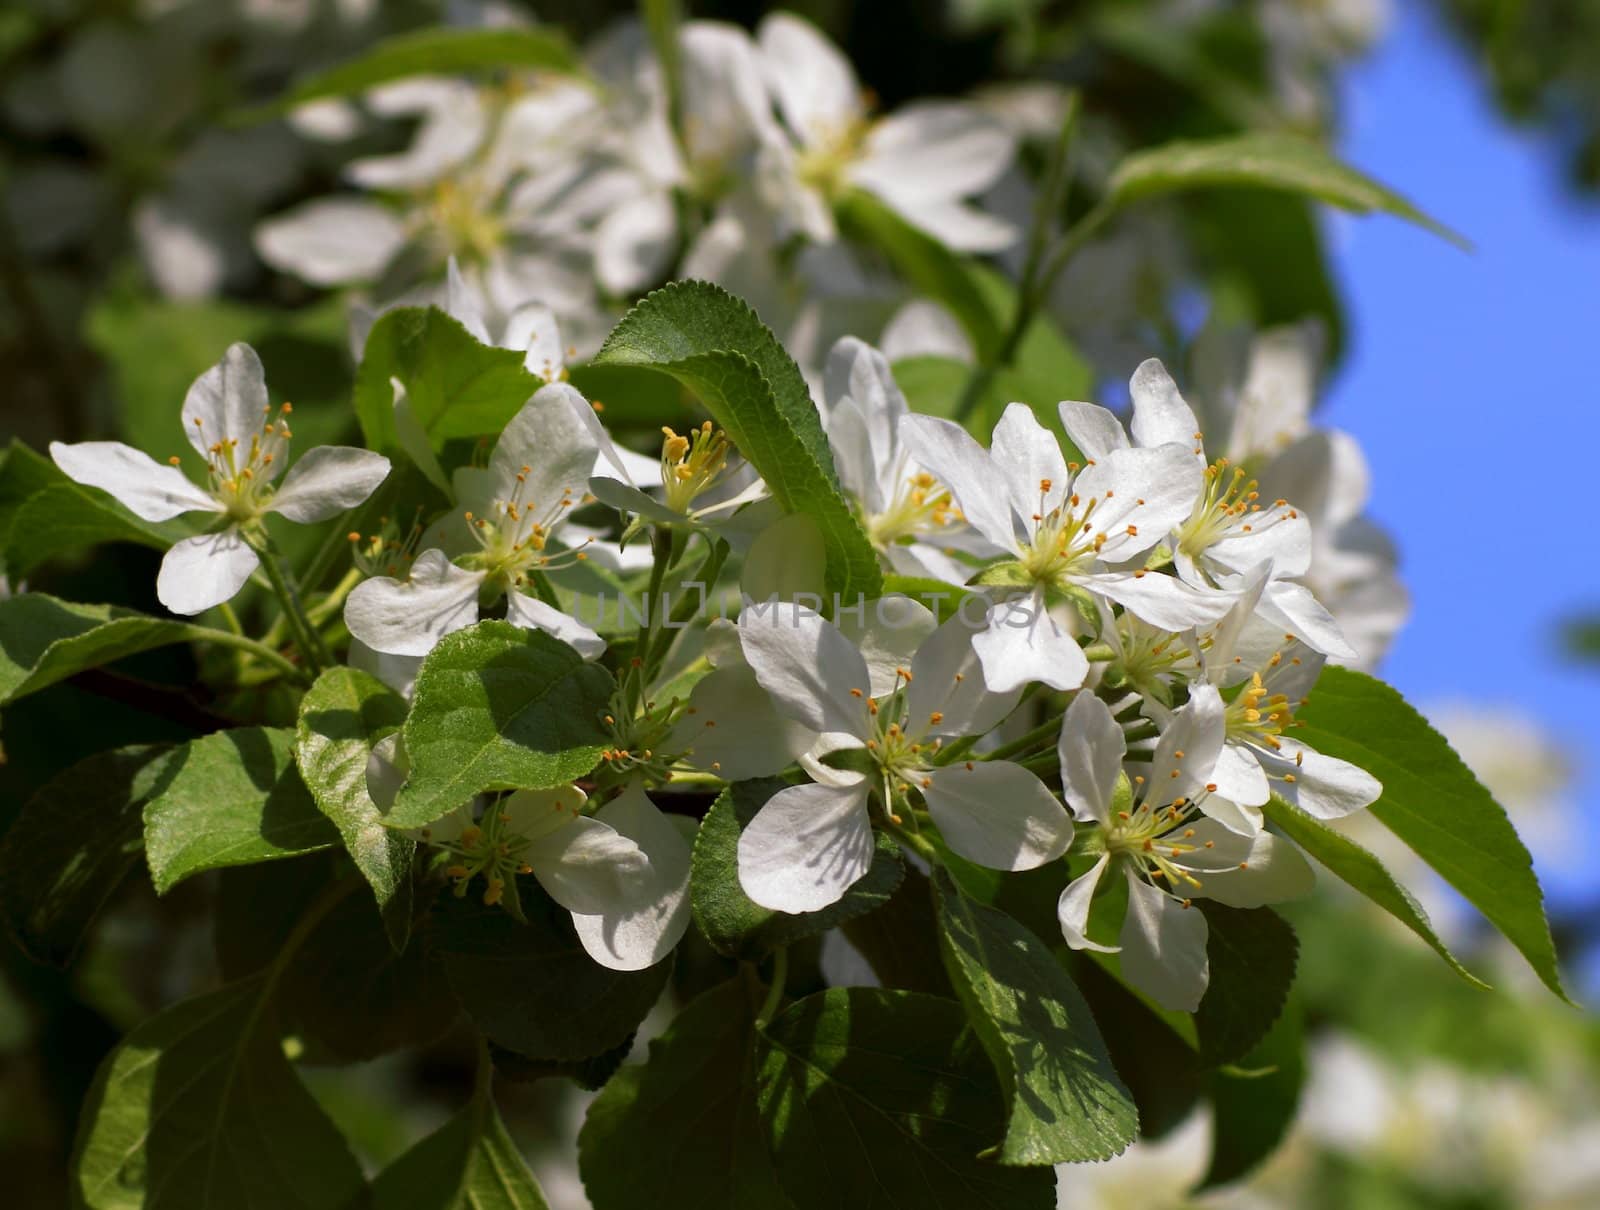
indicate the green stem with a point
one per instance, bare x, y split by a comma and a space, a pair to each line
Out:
780, 974
1022, 743
334, 601
917, 843
231, 618
224, 638
281, 579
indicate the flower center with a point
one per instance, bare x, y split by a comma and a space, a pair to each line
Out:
691, 465
1064, 539
512, 540
1153, 838
1256, 716
920, 506
895, 747
493, 849
241, 479
461, 216
825, 165
1228, 504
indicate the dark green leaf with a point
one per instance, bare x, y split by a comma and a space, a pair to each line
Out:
1066, 1103
1432, 801
884, 1099
1253, 1103
72, 845
44, 640
1266, 160
496, 708
439, 51
740, 928
341, 719
469, 1163
900, 940
231, 799
680, 1129
1362, 871
65, 517
590, 1074
455, 387
198, 1108
1252, 955
530, 987
710, 341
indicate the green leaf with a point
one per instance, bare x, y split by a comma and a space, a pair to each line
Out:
589, 1074
530, 987
71, 846
65, 517
498, 708
469, 1163
44, 640
732, 922
943, 599
199, 1108
1432, 801
1361, 870
1253, 1104
342, 717
1266, 160
1066, 1102
900, 940
884, 1099
1252, 954
928, 265
455, 386
680, 1130
231, 799
441, 51
711, 342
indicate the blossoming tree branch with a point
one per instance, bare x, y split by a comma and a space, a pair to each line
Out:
733, 605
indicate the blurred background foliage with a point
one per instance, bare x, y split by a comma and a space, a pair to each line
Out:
115, 116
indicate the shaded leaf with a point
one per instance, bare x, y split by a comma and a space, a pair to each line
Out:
1253, 1103
44, 640
469, 1163
1252, 955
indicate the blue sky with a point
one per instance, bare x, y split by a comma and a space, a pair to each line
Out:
1471, 382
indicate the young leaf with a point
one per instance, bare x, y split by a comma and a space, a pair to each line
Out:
1266, 160
44, 640
1253, 1103
495, 708
231, 799
679, 1131
342, 717
199, 1107
736, 926
884, 1099
933, 269
1252, 954
71, 846
713, 343
469, 1163
530, 987
1066, 1102
455, 387
1362, 871
1432, 801
440, 51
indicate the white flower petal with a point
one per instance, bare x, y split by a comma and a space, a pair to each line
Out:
634, 244
1164, 948
956, 225
1246, 821
1160, 414
1237, 775
1164, 601
964, 466
140, 483
533, 328
1152, 490
331, 241
328, 480
550, 437
1095, 430
1025, 642
626, 498
1246, 872
808, 667
387, 770
923, 328
530, 613
1188, 748
997, 814
1293, 608
725, 100
399, 672
1027, 456
1324, 786
454, 122
888, 633
199, 573
815, 86
735, 730
1072, 908
939, 150
640, 935
947, 679
408, 617
228, 402
586, 866
806, 847
1090, 749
